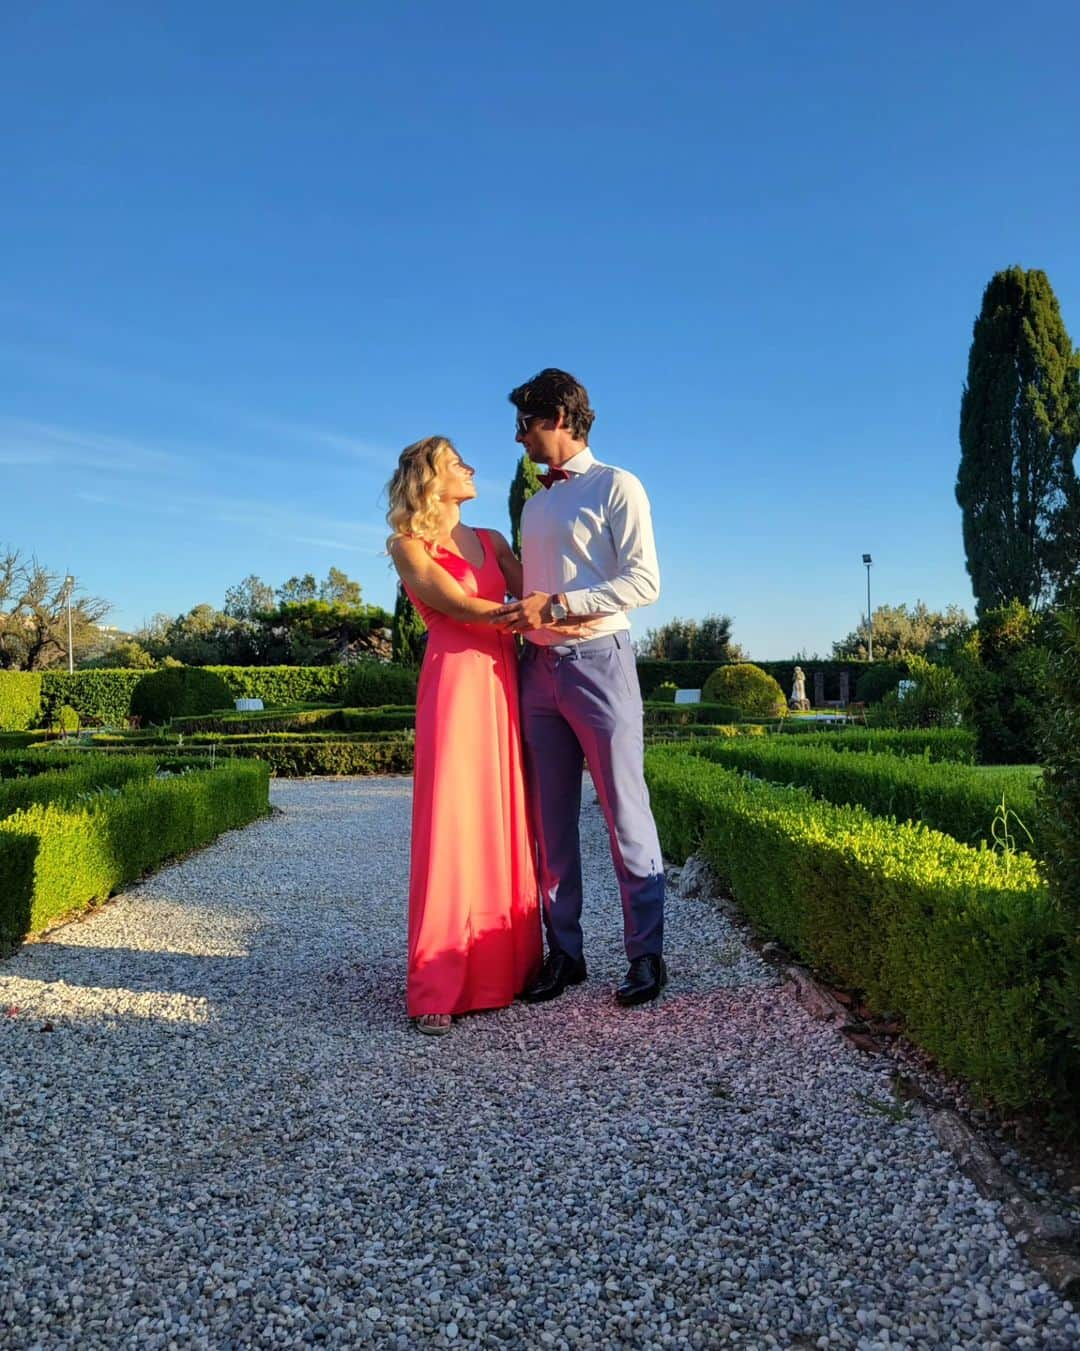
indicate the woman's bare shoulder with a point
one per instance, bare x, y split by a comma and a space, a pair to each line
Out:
406, 546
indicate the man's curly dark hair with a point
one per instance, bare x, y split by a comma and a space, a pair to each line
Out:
553, 392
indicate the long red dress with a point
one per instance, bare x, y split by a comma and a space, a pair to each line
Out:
474, 919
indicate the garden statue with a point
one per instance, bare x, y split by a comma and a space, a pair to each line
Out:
798, 698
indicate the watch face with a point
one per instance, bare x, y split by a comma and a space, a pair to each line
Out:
558, 610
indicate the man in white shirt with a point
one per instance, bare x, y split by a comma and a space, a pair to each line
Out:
588, 555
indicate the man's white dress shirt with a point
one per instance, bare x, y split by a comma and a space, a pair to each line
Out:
590, 537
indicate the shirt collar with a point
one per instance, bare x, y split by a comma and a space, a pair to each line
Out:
580, 463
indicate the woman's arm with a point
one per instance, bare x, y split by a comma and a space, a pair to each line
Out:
434, 585
508, 562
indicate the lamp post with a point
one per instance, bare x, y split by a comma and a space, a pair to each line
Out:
868, 561
69, 583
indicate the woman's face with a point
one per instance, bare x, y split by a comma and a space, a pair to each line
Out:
455, 480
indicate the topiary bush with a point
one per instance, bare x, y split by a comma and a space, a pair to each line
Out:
746, 687
177, 692
374, 683
20, 700
665, 693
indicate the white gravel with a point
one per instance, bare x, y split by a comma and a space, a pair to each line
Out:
218, 1129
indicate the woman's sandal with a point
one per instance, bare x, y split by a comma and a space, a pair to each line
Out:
433, 1024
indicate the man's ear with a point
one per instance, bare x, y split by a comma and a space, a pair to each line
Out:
558, 422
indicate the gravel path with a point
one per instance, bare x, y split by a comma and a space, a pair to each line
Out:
218, 1129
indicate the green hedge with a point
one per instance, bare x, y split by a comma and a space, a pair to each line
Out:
661, 714
959, 800
958, 942
702, 732
288, 755
325, 719
296, 759
69, 783
374, 684
56, 859
105, 695
20, 700
101, 696
286, 684
954, 744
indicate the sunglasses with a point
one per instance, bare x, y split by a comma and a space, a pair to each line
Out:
522, 422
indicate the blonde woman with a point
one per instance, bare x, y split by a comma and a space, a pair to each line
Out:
474, 920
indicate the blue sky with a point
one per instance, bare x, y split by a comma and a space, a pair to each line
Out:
249, 252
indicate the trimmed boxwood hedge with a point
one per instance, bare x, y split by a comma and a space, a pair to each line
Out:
298, 758
58, 858
373, 684
702, 732
959, 800
661, 714
960, 943
306, 721
100, 696
20, 700
955, 744
68, 783
288, 755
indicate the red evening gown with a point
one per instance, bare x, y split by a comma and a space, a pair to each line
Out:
474, 920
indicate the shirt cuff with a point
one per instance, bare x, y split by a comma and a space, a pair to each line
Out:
577, 602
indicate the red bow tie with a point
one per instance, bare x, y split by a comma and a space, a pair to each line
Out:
553, 476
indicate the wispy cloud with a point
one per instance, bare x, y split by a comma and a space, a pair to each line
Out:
305, 434
44, 443
296, 525
299, 434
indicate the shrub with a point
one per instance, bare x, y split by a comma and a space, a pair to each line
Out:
67, 720
934, 744
748, 688
665, 693
69, 781
878, 680
703, 732
1060, 817
372, 683
20, 700
325, 718
179, 691
1004, 665
684, 715
958, 942
297, 758
276, 685
959, 800
938, 699
56, 858
97, 696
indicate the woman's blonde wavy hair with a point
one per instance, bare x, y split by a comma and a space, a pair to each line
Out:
414, 504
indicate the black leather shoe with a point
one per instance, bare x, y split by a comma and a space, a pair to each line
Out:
644, 981
557, 973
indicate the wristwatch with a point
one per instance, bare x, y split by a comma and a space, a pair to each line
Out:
558, 609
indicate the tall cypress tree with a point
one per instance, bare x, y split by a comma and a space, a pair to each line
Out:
407, 640
1019, 428
526, 482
